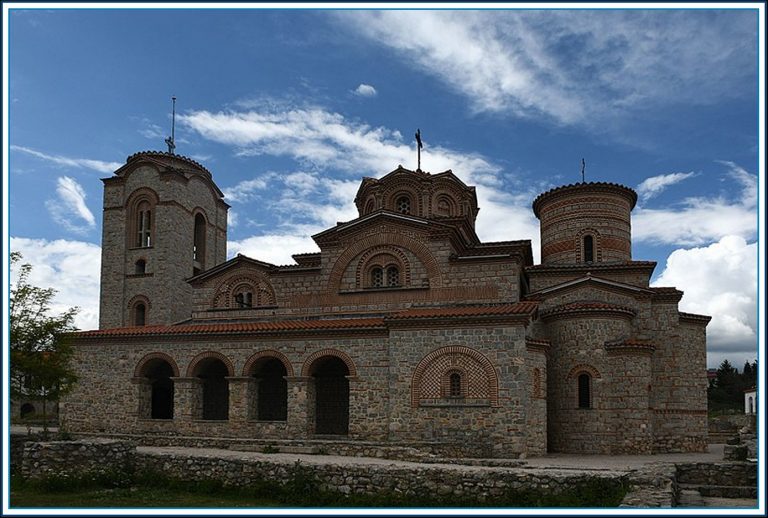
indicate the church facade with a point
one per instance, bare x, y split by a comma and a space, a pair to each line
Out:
403, 330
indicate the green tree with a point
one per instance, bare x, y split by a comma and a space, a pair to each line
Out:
40, 350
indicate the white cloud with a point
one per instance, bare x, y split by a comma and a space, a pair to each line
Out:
273, 248
544, 63
70, 267
80, 163
364, 90
323, 141
71, 204
719, 280
247, 189
654, 185
701, 220
232, 219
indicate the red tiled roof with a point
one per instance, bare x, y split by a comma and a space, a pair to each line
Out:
238, 328
576, 307
519, 308
156, 154
591, 266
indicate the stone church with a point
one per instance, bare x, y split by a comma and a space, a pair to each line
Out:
404, 330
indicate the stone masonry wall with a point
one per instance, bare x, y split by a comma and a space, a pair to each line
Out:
75, 458
380, 399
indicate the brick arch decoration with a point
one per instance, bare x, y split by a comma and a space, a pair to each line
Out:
404, 187
454, 208
382, 239
137, 372
259, 284
583, 367
306, 369
370, 254
448, 188
481, 378
136, 299
133, 201
267, 353
597, 249
206, 355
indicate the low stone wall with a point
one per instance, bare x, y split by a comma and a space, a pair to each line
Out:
480, 482
56, 458
241, 469
652, 486
718, 473
417, 452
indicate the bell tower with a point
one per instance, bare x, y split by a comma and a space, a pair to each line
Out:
165, 220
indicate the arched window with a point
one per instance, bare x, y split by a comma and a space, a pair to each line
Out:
198, 248
584, 386
751, 407
377, 277
393, 276
143, 224
589, 249
454, 385
139, 314
244, 299
141, 267
369, 207
403, 205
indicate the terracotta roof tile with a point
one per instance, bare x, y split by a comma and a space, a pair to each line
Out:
592, 266
238, 328
165, 154
519, 308
576, 307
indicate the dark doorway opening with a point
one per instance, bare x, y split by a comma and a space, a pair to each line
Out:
273, 391
331, 396
215, 391
159, 373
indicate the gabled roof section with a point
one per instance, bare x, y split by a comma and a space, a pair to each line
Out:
589, 281
238, 260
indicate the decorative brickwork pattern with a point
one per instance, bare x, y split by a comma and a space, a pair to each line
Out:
382, 256
384, 239
432, 374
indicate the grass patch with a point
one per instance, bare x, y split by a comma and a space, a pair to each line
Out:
152, 489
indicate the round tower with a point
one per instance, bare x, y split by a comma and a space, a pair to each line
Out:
585, 223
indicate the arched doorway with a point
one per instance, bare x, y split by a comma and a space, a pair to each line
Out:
215, 389
331, 396
272, 392
159, 372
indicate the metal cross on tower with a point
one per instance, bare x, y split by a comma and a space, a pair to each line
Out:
419, 145
171, 141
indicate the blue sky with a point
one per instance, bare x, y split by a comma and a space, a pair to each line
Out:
290, 108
